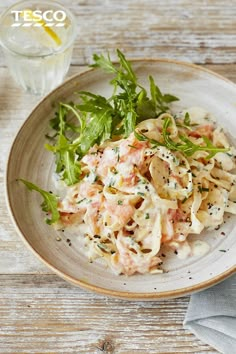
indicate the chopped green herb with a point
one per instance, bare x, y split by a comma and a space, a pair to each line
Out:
120, 202
202, 189
95, 178
80, 201
134, 147
147, 216
117, 150
111, 183
140, 193
103, 247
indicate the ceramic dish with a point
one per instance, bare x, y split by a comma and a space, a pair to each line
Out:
28, 159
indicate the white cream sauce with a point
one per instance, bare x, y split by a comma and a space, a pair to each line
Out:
195, 248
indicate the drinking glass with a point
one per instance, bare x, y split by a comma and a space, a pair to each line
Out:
37, 39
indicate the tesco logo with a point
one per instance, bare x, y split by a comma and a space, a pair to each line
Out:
38, 18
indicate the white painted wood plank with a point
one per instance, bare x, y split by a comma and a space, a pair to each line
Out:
198, 31
44, 314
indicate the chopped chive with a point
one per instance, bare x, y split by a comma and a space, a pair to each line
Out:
184, 200
116, 151
202, 189
80, 201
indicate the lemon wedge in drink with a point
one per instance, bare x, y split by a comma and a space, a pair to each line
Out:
52, 34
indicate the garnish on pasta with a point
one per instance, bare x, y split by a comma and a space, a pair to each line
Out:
136, 176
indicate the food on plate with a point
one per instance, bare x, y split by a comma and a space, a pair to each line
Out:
135, 175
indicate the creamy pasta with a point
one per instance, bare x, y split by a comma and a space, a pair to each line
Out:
136, 196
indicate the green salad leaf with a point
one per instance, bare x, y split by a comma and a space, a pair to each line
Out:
99, 118
49, 203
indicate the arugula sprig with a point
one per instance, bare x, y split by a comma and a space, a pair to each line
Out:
160, 101
125, 75
49, 203
65, 150
131, 104
99, 118
188, 148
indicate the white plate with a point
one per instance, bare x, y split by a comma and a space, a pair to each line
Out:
28, 159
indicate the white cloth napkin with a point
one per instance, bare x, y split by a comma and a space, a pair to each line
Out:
211, 316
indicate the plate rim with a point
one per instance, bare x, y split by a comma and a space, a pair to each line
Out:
147, 296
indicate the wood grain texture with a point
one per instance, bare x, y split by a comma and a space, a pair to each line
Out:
39, 312
43, 314
199, 31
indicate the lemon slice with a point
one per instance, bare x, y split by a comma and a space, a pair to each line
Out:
43, 24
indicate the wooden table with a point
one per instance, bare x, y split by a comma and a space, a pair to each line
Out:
39, 312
